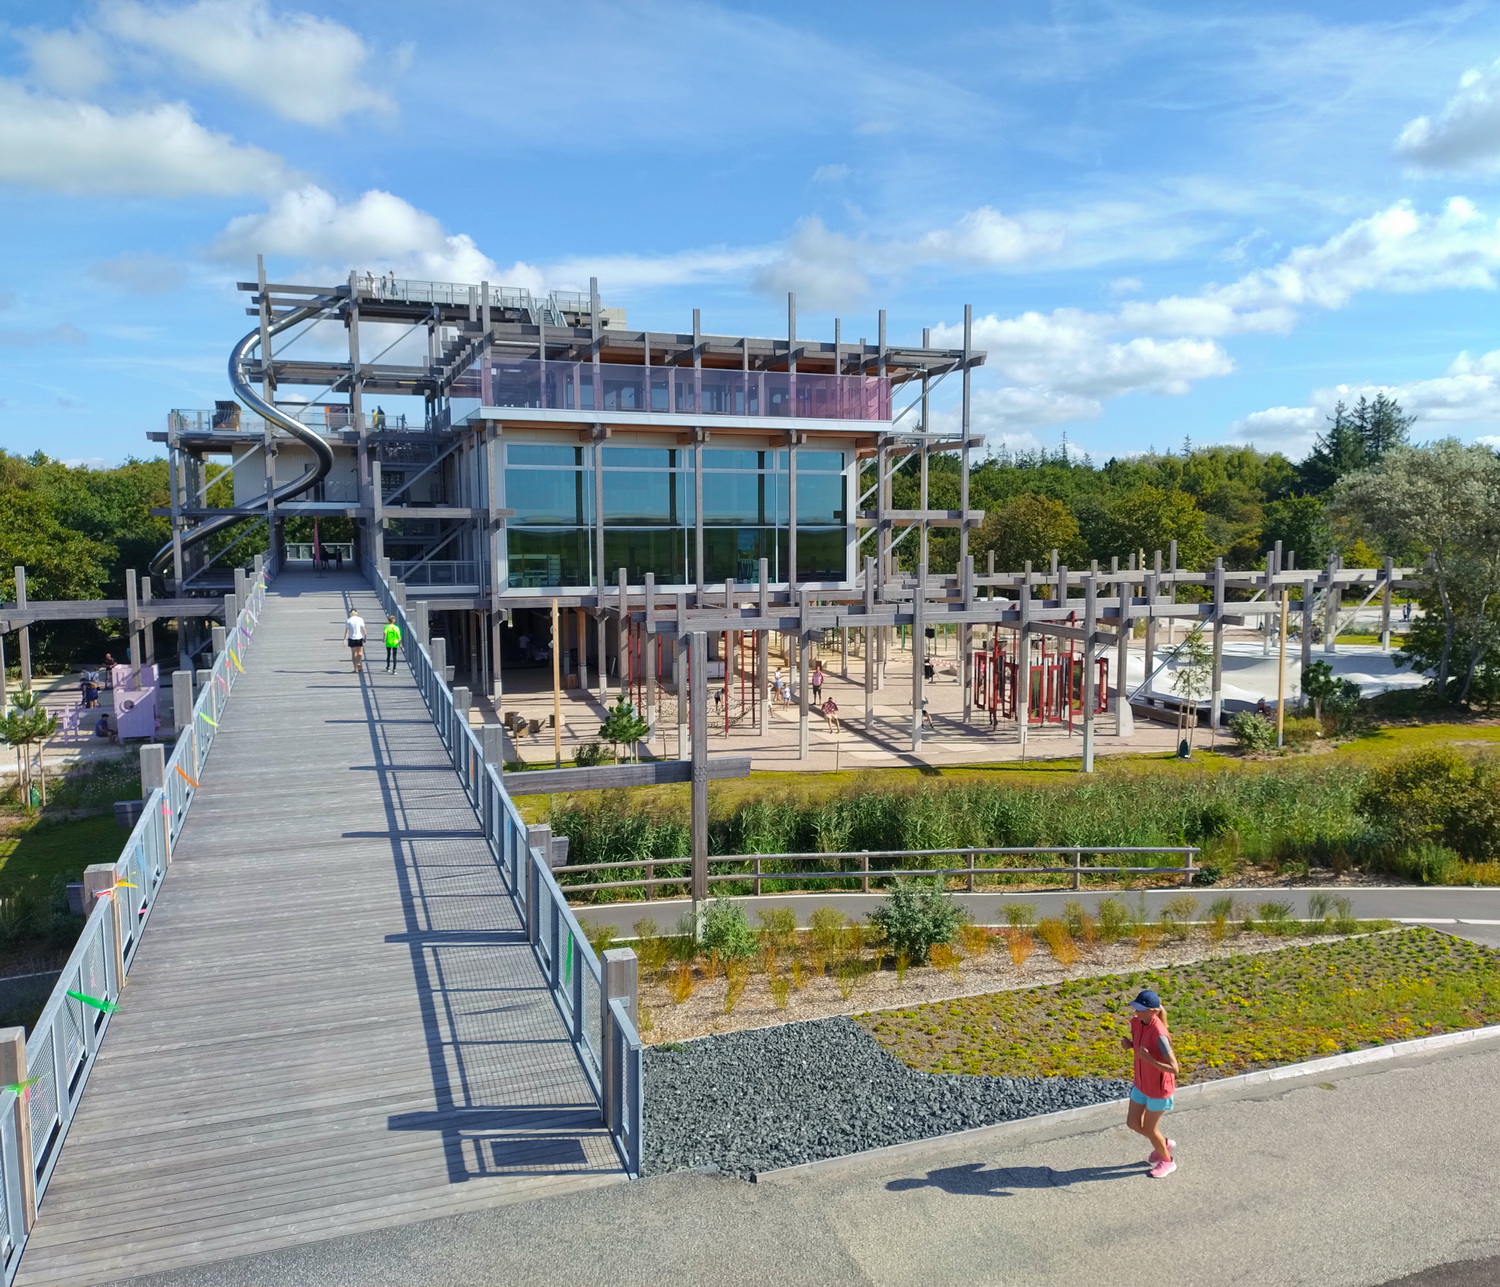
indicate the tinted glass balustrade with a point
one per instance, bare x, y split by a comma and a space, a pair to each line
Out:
570, 386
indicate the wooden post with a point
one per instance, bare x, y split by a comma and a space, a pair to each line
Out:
1090, 681
621, 982
1387, 573
1307, 624
1124, 716
1216, 687
918, 653
153, 768
25, 631
1281, 678
182, 699
803, 651
556, 688
698, 718
13, 1072
869, 644
98, 878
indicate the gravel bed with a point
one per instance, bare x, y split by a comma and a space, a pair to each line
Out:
745, 1102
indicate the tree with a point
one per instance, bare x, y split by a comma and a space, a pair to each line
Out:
1300, 524
1149, 518
1027, 529
1355, 439
1322, 689
24, 726
623, 726
1192, 679
1440, 503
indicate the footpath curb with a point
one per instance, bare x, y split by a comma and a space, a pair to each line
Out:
1094, 1117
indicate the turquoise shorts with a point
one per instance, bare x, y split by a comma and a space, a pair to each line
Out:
1152, 1105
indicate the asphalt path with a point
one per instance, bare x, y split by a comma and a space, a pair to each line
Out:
1471, 913
1374, 1175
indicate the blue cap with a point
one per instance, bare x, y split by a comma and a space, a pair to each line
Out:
1147, 1000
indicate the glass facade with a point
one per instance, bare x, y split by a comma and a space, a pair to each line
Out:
649, 502
569, 386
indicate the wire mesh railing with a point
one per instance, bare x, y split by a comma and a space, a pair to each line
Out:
598, 1025
64, 1042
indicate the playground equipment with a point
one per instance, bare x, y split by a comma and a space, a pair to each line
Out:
1054, 681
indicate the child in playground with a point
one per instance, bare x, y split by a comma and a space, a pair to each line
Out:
1155, 1079
926, 714
817, 680
831, 714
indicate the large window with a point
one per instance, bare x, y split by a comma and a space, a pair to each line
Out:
648, 507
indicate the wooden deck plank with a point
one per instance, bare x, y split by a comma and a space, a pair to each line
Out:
334, 1022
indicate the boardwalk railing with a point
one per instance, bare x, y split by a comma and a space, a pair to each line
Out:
60, 1050
599, 1023
857, 868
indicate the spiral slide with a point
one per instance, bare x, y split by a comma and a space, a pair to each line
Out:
280, 420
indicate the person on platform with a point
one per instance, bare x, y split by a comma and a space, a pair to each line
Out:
831, 714
1155, 1080
392, 644
354, 636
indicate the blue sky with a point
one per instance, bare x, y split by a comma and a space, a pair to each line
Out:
1205, 221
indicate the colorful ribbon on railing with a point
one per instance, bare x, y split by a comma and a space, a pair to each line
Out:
23, 1088
109, 1007
568, 970
185, 777
236, 661
209, 718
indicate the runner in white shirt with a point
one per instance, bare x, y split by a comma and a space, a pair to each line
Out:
354, 636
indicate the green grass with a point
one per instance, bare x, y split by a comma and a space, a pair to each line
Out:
50, 852
1227, 1016
814, 787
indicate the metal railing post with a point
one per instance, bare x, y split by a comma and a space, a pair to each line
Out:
621, 981
1078, 869
13, 1073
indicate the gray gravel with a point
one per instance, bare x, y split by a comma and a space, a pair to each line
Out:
747, 1102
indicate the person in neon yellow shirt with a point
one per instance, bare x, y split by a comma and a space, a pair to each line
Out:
392, 644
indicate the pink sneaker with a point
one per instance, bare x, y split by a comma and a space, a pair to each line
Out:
1156, 1157
1162, 1169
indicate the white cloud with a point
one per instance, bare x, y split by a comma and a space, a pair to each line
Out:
1126, 286
71, 62
986, 238
63, 333
84, 149
145, 273
374, 232
1468, 392
308, 69
830, 174
1465, 135
822, 266
622, 272
1084, 354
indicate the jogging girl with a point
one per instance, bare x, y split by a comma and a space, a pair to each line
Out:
1155, 1079
392, 644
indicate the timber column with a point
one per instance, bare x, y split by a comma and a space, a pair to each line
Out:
698, 720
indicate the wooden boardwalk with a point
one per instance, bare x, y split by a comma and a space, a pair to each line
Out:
333, 1023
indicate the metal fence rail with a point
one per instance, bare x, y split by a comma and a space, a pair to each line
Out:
599, 1025
61, 1048
751, 868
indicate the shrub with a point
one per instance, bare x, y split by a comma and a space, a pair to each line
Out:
1431, 864
650, 947
590, 755
1176, 913
1253, 732
726, 931
780, 990
1301, 732
601, 937
944, 957
778, 926
1018, 915
1274, 918
1441, 796
736, 977
1059, 942
1114, 919
827, 929
975, 938
1020, 943
915, 917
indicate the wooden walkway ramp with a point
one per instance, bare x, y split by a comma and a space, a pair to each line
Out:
333, 1023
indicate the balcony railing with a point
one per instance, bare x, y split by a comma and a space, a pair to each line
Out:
436, 573
461, 293
332, 418
570, 386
